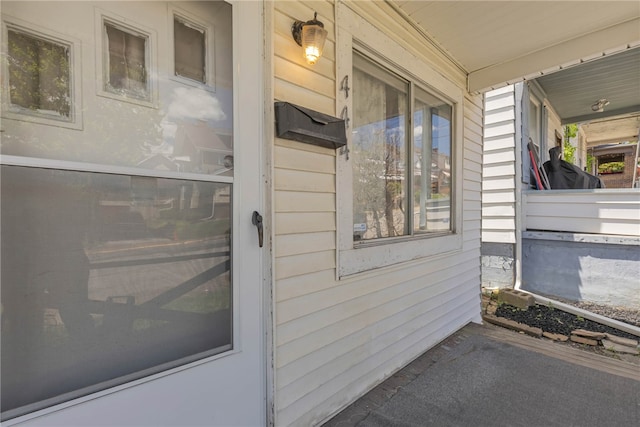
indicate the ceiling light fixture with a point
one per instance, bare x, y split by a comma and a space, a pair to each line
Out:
599, 105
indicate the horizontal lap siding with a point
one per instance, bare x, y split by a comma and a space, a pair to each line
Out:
360, 333
304, 175
304, 197
472, 160
334, 340
499, 167
597, 212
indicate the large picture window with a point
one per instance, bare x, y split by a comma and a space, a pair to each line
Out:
401, 167
399, 179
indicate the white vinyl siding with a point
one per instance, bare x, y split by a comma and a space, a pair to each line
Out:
336, 339
499, 166
609, 211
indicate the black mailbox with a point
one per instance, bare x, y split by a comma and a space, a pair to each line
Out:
308, 126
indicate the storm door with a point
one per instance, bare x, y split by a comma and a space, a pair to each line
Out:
130, 173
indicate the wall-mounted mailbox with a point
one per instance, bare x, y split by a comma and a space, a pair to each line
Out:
308, 126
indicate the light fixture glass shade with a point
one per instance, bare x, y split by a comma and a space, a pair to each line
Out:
313, 38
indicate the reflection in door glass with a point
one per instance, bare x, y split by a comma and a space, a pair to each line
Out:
106, 278
122, 79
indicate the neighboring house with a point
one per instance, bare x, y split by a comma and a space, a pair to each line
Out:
616, 164
513, 114
149, 279
578, 245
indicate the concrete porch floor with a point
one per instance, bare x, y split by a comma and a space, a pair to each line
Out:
484, 375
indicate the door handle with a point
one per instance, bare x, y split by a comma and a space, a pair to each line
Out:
256, 219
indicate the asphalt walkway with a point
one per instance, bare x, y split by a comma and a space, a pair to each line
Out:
484, 375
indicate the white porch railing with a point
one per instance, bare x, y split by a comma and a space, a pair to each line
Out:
600, 211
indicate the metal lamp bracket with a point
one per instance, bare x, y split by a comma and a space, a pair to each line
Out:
296, 28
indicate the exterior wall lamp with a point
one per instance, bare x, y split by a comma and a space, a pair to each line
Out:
311, 35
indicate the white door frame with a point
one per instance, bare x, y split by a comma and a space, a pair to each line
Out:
183, 396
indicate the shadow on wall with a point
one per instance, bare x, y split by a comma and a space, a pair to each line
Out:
581, 271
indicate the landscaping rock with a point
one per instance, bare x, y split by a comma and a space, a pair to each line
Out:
556, 321
555, 337
623, 341
619, 348
589, 334
510, 324
583, 340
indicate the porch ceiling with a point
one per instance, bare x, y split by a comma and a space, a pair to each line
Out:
500, 42
568, 47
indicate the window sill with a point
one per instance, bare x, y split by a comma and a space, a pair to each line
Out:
374, 255
25, 115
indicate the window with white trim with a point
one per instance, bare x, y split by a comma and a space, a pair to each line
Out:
189, 50
193, 51
127, 72
126, 59
399, 185
41, 80
39, 75
534, 126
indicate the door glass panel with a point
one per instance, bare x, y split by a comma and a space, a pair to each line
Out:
135, 113
108, 278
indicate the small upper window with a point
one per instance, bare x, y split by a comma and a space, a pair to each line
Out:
39, 76
127, 59
189, 50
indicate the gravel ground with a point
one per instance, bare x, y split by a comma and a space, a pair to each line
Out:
553, 320
626, 315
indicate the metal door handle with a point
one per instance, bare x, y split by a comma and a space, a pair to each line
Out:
256, 219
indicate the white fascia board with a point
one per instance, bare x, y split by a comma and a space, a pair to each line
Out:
562, 55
